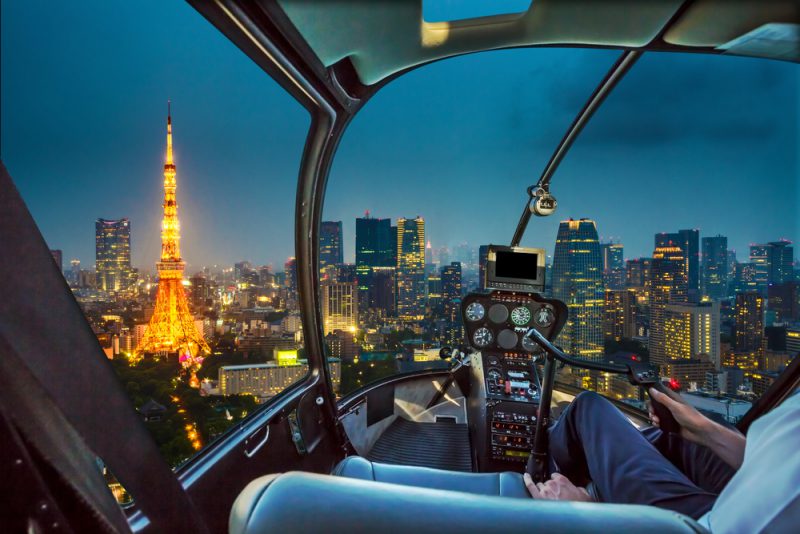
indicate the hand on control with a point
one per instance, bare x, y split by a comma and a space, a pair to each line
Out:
558, 488
694, 425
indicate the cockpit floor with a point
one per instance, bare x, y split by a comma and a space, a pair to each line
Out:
438, 445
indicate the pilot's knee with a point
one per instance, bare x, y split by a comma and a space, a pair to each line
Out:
590, 400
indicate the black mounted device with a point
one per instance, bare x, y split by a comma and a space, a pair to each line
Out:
515, 269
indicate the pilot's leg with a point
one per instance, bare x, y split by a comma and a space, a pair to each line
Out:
592, 440
699, 463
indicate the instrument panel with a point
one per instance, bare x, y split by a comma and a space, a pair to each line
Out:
498, 321
495, 324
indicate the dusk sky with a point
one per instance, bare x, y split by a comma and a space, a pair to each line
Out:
686, 141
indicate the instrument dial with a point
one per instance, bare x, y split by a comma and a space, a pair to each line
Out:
544, 317
475, 312
498, 313
520, 316
494, 375
482, 337
529, 345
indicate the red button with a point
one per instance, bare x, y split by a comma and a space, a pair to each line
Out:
508, 388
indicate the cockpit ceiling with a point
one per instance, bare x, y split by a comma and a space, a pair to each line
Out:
383, 37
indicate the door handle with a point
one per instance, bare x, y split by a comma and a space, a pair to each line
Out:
255, 441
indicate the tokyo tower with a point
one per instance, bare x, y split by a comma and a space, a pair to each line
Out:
171, 328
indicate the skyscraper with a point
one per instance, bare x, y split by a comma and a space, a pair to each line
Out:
375, 242
612, 256
172, 327
339, 306
330, 244
451, 281
689, 243
668, 286
748, 329
113, 254
411, 269
692, 329
376, 248
578, 282
784, 301
613, 265
773, 261
715, 267
619, 314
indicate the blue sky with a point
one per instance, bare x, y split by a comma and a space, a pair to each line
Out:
686, 141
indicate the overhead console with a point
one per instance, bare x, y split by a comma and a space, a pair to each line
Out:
505, 387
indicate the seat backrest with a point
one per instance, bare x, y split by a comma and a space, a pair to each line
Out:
306, 502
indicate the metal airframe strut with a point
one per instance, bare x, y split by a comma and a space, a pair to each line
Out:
621, 67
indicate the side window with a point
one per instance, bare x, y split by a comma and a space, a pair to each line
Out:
172, 225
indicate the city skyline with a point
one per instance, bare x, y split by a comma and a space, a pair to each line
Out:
432, 143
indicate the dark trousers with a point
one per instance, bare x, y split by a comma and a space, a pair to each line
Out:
594, 441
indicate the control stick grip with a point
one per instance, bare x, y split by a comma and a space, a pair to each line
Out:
666, 421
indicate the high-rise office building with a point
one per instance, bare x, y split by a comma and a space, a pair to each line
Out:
746, 278
113, 254
637, 273
612, 256
381, 291
689, 243
759, 258
376, 249
668, 286
619, 313
692, 330
411, 269
435, 298
715, 267
451, 281
784, 302
578, 282
375, 242
774, 263
614, 273
451, 303
290, 283
339, 306
330, 244
748, 322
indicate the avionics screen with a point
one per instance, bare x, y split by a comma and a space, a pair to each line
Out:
516, 265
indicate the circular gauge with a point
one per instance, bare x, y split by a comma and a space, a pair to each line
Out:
529, 345
498, 313
492, 360
520, 316
475, 312
482, 337
494, 375
544, 317
507, 339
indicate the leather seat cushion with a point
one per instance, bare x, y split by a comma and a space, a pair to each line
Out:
306, 502
506, 484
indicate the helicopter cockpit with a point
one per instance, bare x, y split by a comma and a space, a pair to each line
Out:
426, 436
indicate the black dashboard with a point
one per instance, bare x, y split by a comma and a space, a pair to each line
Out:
505, 388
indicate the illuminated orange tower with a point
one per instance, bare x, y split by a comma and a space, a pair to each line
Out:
172, 328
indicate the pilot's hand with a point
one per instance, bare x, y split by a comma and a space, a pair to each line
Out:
558, 488
694, 425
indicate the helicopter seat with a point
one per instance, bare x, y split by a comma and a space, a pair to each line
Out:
308, 502
505, 484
